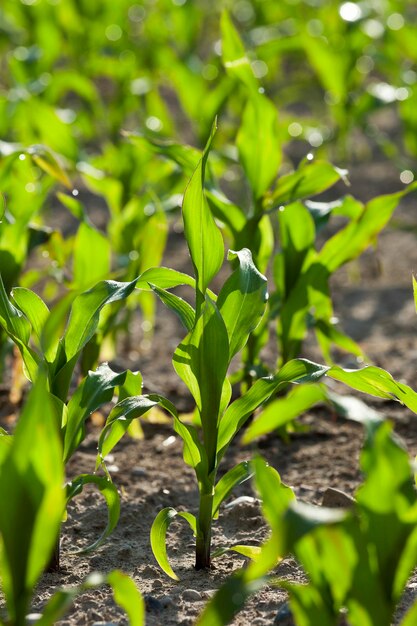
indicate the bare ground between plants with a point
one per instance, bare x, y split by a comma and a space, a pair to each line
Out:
374, 302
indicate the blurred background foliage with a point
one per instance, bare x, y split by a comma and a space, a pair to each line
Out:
105, 105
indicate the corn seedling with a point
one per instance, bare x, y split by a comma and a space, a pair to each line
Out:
357, 560
31, 479
35, 331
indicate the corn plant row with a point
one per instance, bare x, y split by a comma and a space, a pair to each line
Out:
271, 230
218, 327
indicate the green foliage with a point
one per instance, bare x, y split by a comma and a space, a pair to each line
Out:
77, 73
31, 479
35, 330
358, 559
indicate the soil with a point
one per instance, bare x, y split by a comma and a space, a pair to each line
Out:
374, 303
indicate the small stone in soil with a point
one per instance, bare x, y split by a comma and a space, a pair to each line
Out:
139, 472
191, 595
104, 624
334, 499
32, 618
157, 584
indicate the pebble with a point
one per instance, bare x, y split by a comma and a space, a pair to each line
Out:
140, 472
104, 624
157, 584
335, 499
32, 618
191, 595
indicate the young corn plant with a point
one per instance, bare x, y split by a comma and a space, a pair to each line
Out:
31, 479
218, 328
36, 332
357, 560
282, 223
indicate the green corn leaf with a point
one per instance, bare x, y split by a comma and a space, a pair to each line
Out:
85, 313
73, 205
236, 476
275, 495
111, 496
309, 607
258, 143
265, 242
118, 422
376, 382
310, 290
47, 160
234, 55
96, 389
164, 278
284, 410
128, 597
242, 300
31, 479
229, 600
201, 361
329, 335
131, 386
53, 329
251, 552
352, 240
90, 244
33, 307
125, 592
227, 212
330, 66
185, 156
204, 239
352, 408
240, 410
12, 319
159, 531
180, 307
308, 180
391, 517
5, 443
297, 236
415, 291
